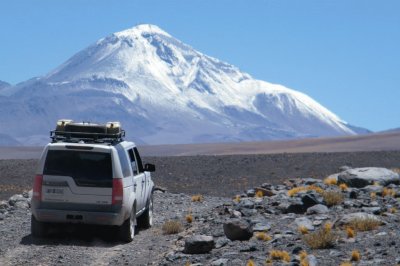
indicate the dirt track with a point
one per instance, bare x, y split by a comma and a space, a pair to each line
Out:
220, 175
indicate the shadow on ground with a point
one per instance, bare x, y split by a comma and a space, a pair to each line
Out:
76, 235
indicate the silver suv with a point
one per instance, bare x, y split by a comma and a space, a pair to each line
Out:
88, 174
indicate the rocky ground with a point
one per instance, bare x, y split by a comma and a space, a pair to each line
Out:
208, 174
350, 217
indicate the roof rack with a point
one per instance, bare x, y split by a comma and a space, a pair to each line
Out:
86, 132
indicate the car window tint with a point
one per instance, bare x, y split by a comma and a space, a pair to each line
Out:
125, 165
90, 169
138, 160
133, 162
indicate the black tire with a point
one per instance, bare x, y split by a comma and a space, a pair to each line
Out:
146, 219
38, 229
127, 229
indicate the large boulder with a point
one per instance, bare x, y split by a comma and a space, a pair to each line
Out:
199, 244
362, 177
238, 230
347, 218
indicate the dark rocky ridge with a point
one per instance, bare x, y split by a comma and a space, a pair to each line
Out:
223, 175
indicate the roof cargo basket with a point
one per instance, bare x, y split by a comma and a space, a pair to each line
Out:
86, 132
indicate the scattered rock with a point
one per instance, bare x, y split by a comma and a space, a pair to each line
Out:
238, 230
304, 222
361, 177
317, 209
220, 262
199, 244
16, 198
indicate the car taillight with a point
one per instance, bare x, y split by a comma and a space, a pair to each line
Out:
117, 191
37, 187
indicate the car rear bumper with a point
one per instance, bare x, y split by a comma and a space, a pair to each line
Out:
79, 217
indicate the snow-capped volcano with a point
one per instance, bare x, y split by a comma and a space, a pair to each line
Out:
163, 91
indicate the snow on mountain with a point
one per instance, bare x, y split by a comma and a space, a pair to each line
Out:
163, 91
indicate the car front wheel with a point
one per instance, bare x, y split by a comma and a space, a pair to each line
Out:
146, 219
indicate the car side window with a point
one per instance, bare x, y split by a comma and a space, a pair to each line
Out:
133, 162
138, 160
126, 171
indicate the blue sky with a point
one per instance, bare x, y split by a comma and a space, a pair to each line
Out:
343, 53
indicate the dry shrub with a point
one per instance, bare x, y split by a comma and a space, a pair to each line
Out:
343, 187
250, 263
188, 263
259, 194
364, 224
332, 197
279, 255
303, 258
303, 255
172, 227
189, 218
197, 198
346, 264
322, 238
302, 229
296, 190
355, 255
350, 232
372, 195
237, 198
393, 210
330, 181
388, 192
263, 236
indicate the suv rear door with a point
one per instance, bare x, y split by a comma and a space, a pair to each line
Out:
139, 177
78, 175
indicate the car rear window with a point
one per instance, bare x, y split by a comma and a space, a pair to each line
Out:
88, 169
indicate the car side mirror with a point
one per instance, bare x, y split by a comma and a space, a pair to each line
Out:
148, 167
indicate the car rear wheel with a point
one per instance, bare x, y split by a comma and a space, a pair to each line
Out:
38, 229
127, 229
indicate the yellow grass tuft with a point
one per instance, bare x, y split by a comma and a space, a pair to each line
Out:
279, 255
303, 258
188, 263
197, 198
350, 232
343, 187
355, 255
346, 264
330, 181
237, 198
372, 195
376, 183
250, 263
172, 227
303, 255
364, 224
332, 198
296, 190
189, 218
323, 238
393, 210
388, 192
302, 229
263, 236
259, 194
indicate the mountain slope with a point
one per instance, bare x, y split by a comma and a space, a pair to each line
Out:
3, 84
163, 91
